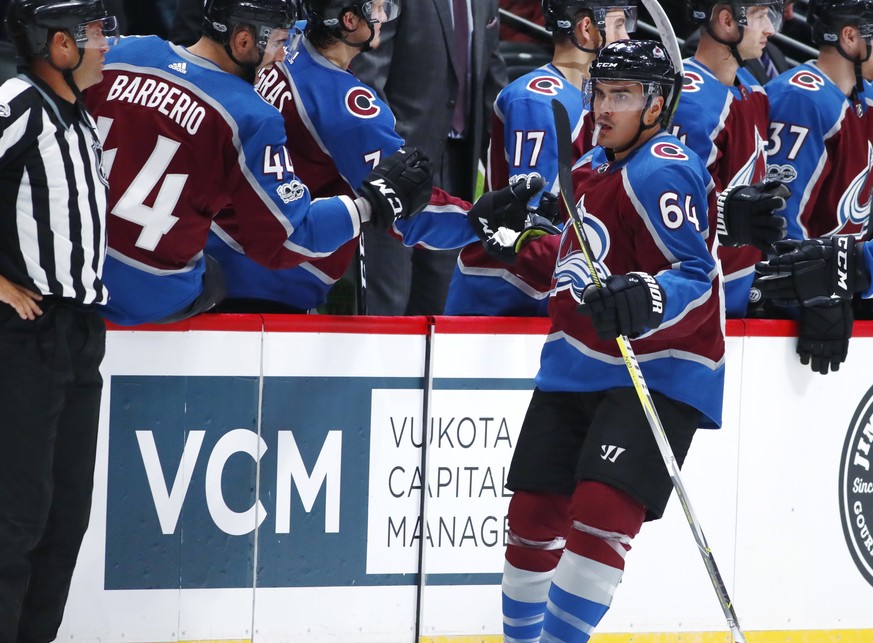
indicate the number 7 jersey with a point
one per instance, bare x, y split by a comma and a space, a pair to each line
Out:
183, 141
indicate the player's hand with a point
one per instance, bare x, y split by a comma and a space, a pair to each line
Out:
745, 214
399, 187
625, 305
22, 300
814, 271
823, 336
504, 208
503, 221
506, 243
548, 208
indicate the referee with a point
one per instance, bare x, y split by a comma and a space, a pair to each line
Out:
52, 247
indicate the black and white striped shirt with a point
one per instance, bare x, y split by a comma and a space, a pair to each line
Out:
52, 194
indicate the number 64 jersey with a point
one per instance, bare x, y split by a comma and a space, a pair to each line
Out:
184, 140
646, 213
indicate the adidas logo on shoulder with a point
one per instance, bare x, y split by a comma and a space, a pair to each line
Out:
182, 68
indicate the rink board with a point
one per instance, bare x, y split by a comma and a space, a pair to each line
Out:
259, 478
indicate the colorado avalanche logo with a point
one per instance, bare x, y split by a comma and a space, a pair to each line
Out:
571, 270
807, 80
361, 102
669, 151
693, 82
747, 174
547, 85
850, 210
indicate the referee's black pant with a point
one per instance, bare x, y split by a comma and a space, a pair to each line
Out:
50, 388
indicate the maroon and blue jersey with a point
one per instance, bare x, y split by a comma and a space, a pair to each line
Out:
522, 142
338, 130
727, 127
821, 145
646, 213
184, 140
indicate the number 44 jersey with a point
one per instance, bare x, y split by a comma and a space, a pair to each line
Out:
183, 141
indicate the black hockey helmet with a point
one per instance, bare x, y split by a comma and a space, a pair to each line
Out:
324, 17
701, 10
30, 23
221, 17
560, 15
828, 17
643, 61
328, 12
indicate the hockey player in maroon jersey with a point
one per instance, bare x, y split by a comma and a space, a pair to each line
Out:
338, 129
586, 472
723, 116
821, 145
186, 137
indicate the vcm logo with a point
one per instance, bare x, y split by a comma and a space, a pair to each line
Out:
290, 469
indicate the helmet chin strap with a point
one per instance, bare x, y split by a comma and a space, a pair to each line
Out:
367, 44
730, 44
857, 61
589, 50
67, 73
250, 70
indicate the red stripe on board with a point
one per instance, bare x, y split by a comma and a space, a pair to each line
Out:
492, 325
419, 325
231, 323
364, 325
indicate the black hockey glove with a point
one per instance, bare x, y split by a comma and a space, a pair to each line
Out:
506, 243
503, 222
626, 305
504, 208
548, 208
745, 214
814, 271
823, 336
398, 188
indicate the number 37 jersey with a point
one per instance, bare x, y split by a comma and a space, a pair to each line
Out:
183, 141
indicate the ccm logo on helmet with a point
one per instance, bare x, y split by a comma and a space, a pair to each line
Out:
361, 102
669, 151
545, 85
807, 80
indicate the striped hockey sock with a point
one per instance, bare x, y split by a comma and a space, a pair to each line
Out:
531, 559
580, 595
524, 603
605, 520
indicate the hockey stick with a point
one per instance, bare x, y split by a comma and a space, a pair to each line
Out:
671, 44
562, 128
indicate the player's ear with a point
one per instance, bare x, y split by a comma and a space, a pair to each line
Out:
653, 113
725, 17
61, 47
586, 32
242, 38
351, 20
851, 36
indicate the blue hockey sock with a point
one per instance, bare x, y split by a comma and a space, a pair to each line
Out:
524, 603
580, 595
